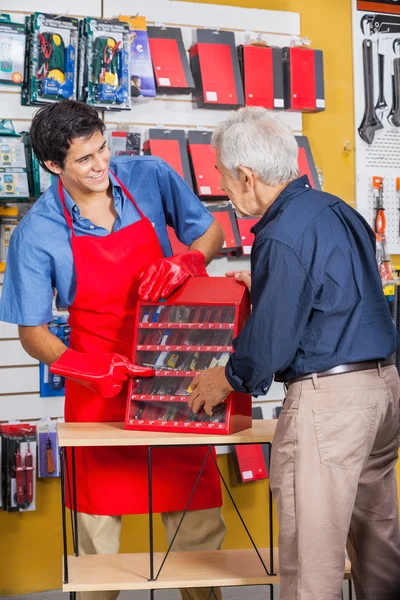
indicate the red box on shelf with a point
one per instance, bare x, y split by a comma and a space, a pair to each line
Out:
170, 62
216, 71
262, 74
202, 156
303, 73
170, 145
189, 332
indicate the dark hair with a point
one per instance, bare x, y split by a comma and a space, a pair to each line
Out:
55, 126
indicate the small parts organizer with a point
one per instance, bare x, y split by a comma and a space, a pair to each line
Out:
188, 333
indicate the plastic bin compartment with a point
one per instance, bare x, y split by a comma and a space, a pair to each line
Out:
153, 314
176, 414
199, 339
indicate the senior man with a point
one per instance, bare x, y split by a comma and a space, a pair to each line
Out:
321, 324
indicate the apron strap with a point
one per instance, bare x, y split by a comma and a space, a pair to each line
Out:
68, 216
129, 195
66, 213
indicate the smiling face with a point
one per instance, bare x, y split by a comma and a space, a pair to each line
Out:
86, 166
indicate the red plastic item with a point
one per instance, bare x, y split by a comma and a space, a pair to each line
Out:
20, 478
304, 79
207, 310
29, 468
102, 373
165, 275
251, 462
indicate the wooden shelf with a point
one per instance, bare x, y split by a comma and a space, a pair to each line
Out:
114, 434
181, 570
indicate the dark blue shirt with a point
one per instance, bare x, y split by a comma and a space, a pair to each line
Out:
316, 292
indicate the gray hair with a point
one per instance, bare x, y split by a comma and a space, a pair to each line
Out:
252, 137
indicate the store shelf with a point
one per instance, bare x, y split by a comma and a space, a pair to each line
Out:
186, 325
114, 434
181, 570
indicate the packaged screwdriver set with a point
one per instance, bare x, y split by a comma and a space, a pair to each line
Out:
18, 453
12, 51
50, 72
104, 69
180, 337
47, 447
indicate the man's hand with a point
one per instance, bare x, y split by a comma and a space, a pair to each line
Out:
209, 389
244, 276
166, 275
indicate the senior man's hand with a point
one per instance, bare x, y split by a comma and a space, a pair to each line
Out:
209, 389
244, 276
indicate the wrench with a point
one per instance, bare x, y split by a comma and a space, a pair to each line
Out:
381, 104
394, 115
371, 24
370, 122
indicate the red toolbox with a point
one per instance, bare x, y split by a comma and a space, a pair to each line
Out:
189, 332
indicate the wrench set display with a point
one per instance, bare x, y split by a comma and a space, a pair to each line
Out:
380, 47
190, 332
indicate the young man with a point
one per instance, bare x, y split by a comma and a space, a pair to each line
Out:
98, 237
321, 324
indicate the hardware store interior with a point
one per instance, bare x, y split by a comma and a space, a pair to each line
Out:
200, 302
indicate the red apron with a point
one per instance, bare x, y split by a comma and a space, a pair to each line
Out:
113, 481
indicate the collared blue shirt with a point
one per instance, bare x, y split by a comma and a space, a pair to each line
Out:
40, 259
316, 292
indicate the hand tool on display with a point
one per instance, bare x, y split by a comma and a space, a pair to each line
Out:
370, 122
29, 468
19, 478
49, 456
381, 103
394, 115
373, 24
382, 256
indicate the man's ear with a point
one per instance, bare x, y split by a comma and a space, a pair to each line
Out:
246, 177
53, 167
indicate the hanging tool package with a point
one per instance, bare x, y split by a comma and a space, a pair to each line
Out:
381, 45
104, 71
18, 453
51, 59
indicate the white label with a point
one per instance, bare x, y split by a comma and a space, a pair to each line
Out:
320, 103
164, 81
279, 103
247, 249
212, 96
205, 190
247, 474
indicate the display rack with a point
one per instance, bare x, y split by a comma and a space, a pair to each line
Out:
189, 332
171, 570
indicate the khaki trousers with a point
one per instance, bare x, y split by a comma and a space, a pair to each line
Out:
333, 478
200, 530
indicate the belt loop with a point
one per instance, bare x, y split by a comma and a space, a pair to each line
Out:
314, 377
378, 363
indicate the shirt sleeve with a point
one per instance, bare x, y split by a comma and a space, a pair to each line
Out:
183, 210
27, 293
282, 297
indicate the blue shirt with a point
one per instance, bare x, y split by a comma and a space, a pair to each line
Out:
40, 256
316, 292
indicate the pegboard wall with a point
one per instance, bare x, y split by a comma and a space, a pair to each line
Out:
380, 157
19, 373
